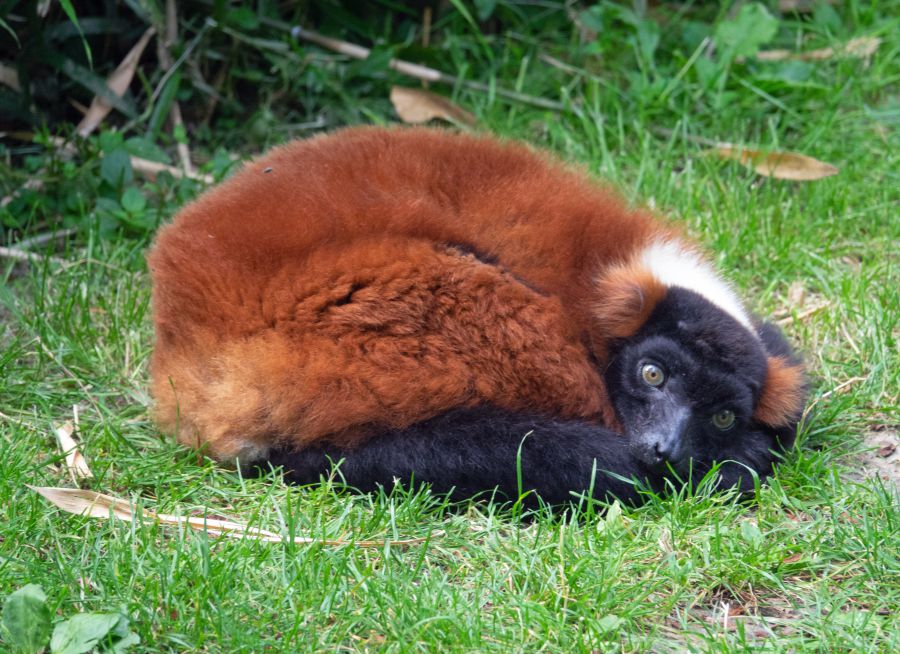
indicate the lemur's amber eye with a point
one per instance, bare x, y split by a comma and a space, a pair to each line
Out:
653, 374
724, 419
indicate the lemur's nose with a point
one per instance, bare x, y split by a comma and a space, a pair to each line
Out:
664, 450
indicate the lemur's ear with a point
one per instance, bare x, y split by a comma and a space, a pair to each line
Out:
625, 297
783, 393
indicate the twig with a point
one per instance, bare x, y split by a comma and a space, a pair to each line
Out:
426, 34
153, 168
33, 184
19, 255
850, 340
21, 423
562, 65
408, 68
802, 315
170, 36
214, 91
41, 239
837, 389
209, 24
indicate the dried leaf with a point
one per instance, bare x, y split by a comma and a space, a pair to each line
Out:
780, 165
97, 505
75, 461
796, 294
10, 77
779, 54
860, 48
665, 540
418, 106
117, 82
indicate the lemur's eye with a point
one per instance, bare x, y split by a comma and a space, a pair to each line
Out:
653, 374
724, 419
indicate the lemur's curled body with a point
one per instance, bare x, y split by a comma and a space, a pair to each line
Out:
378, 292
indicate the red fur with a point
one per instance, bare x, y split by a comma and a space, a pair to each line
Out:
314, 295
624, 298
782, 394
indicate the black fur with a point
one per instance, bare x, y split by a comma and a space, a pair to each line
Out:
471, 451
712, 363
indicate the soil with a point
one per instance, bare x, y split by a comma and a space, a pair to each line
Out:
882, 455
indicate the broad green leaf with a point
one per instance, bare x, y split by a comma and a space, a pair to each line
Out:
377, 62
133, 201
123, 637
82, 632
26, 619
138, 146
751, 28
609, 622
115, 168
89, 80
243, 17
592, 18
485, 8
751, 534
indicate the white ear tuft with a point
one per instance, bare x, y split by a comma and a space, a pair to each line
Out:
673, 264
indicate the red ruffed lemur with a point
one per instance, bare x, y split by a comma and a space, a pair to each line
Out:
456, 310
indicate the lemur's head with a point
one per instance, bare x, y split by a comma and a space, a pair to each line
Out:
693, 379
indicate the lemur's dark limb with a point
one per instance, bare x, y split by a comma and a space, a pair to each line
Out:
467, 451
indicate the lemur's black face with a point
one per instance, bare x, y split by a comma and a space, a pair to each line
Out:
684, 389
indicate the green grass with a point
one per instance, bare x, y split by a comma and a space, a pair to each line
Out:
811, 564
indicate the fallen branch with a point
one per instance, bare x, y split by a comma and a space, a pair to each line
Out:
859, 48
41, 239
19, 255
408, 68
803, 315
151, 169
840, 388
97, 505
33, 184
170, 36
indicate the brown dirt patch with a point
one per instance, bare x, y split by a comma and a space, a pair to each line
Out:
882, 455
